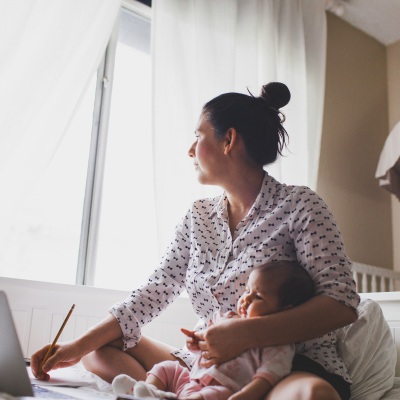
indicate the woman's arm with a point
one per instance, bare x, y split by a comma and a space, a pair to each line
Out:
70, 353
231, 337
123, 327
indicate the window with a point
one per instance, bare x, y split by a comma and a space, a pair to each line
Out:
126, 245
104, 167
49, 221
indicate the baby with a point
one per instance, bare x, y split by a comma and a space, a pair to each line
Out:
271, 288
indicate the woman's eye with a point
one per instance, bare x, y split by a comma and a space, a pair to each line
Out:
258, 297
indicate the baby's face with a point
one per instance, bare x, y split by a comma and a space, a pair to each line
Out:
259, 297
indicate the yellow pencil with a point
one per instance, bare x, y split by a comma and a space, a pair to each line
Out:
57, 336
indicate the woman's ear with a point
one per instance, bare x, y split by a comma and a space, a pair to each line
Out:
230, 140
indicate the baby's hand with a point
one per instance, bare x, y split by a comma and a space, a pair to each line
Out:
231, 314
192, 343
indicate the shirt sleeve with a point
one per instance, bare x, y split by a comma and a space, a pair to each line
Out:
320, 248
163, 286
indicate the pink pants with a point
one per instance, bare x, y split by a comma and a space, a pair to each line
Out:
177, 380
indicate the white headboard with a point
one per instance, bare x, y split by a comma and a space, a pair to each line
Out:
370, 278
39, 308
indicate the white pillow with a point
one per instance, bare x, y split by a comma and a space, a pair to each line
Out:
369, 352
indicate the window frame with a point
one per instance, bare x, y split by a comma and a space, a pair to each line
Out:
86, 266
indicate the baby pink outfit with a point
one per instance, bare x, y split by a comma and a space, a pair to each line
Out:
271, 363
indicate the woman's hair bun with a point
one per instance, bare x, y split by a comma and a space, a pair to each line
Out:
276, 94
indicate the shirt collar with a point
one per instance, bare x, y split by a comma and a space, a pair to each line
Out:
264, 200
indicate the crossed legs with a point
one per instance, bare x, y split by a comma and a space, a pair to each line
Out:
303, 386
110, 361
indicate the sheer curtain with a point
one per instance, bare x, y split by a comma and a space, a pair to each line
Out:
49, 51
202, 48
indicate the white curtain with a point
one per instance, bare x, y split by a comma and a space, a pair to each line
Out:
202, 48
49, 51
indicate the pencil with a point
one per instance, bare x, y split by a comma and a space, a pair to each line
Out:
57, 336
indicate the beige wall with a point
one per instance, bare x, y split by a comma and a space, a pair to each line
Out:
393, 68
354, 130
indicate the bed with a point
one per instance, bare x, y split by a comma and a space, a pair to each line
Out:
38, 319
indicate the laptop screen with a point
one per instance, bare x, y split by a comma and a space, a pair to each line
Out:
14, 378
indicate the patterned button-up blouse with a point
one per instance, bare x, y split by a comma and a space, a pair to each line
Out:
285, 222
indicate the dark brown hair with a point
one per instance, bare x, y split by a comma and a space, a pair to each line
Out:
295, 285
257, 120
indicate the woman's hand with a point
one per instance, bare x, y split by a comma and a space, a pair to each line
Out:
63, 355
231, 337
69, 353
222, 342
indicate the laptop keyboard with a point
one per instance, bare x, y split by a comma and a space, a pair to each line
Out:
43, 393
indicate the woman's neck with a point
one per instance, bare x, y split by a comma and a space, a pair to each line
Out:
241, 194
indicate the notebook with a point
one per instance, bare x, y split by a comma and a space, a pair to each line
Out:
14, 378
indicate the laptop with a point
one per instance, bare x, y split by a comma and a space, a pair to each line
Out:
14, 378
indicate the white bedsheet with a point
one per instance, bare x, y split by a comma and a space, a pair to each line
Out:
96, 385
74, 381
93, 386
96, 388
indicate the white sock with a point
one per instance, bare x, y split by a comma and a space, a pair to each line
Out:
143, 389
123, 384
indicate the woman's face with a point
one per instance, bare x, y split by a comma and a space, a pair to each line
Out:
207, 153
259, 298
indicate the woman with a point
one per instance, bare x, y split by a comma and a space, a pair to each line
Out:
217, 244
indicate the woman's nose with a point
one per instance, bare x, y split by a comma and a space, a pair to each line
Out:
191, 151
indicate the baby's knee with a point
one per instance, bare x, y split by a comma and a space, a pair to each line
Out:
170, 364
170, 371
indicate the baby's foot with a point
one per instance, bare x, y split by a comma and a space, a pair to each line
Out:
123, 384
143, 389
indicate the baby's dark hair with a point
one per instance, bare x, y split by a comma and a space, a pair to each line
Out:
295, 285
257, 120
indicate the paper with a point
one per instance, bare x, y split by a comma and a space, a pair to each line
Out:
67, 377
